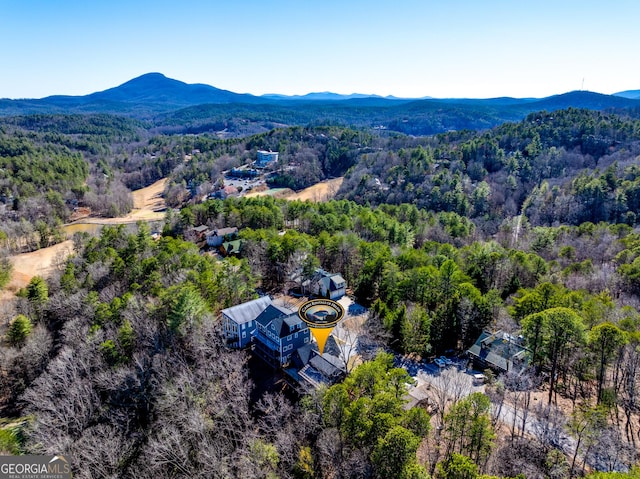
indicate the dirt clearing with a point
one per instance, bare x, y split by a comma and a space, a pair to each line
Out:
148, 204
323, 191
150, 198
37, 263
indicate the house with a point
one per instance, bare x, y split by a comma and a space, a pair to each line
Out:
279, 332
224, 193
324, 369
231, 248
196, 234
309, 369
318, 369
218, 236
264, 158
230, 190
239, 322
499, 351
326, 285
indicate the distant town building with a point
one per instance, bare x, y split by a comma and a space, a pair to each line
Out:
265, 158
243, 172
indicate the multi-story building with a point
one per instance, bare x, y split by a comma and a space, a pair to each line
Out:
279, 332
326, 285
264, 158
239, 322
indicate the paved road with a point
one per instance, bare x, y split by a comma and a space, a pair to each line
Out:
426, 377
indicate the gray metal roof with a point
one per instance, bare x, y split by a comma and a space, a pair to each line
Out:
247, 312
270, 313
499, 350
325, 366
338, 281
225, 231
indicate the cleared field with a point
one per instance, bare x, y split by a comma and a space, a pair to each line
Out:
323, 191
148, 204
37, 263
150, 198
275, 192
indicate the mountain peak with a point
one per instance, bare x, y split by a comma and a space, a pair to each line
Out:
156, 87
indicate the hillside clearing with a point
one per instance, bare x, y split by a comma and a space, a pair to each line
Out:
322, 191
148, 205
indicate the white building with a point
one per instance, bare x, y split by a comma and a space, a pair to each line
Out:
265, 158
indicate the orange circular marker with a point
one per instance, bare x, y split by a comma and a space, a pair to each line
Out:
321, 315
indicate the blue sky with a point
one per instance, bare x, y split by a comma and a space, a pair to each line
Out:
407, 48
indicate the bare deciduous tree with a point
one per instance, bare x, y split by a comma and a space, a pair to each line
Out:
549, 426
448, 388
348, 334
519, 386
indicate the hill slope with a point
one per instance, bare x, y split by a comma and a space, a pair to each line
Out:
632, 94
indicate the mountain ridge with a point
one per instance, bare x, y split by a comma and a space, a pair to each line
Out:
141, 88
631, 94
198, 107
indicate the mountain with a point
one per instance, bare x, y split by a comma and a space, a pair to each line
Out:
319, 96
584, 99
178, 106
157, 88
144, 96
632, 94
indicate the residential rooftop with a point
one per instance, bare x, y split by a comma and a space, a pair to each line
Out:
249, 311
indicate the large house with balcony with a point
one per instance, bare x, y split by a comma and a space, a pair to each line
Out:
274, 332
279, 332
279, 337
500, 352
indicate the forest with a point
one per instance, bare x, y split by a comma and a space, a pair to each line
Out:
565, 167
117, 357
